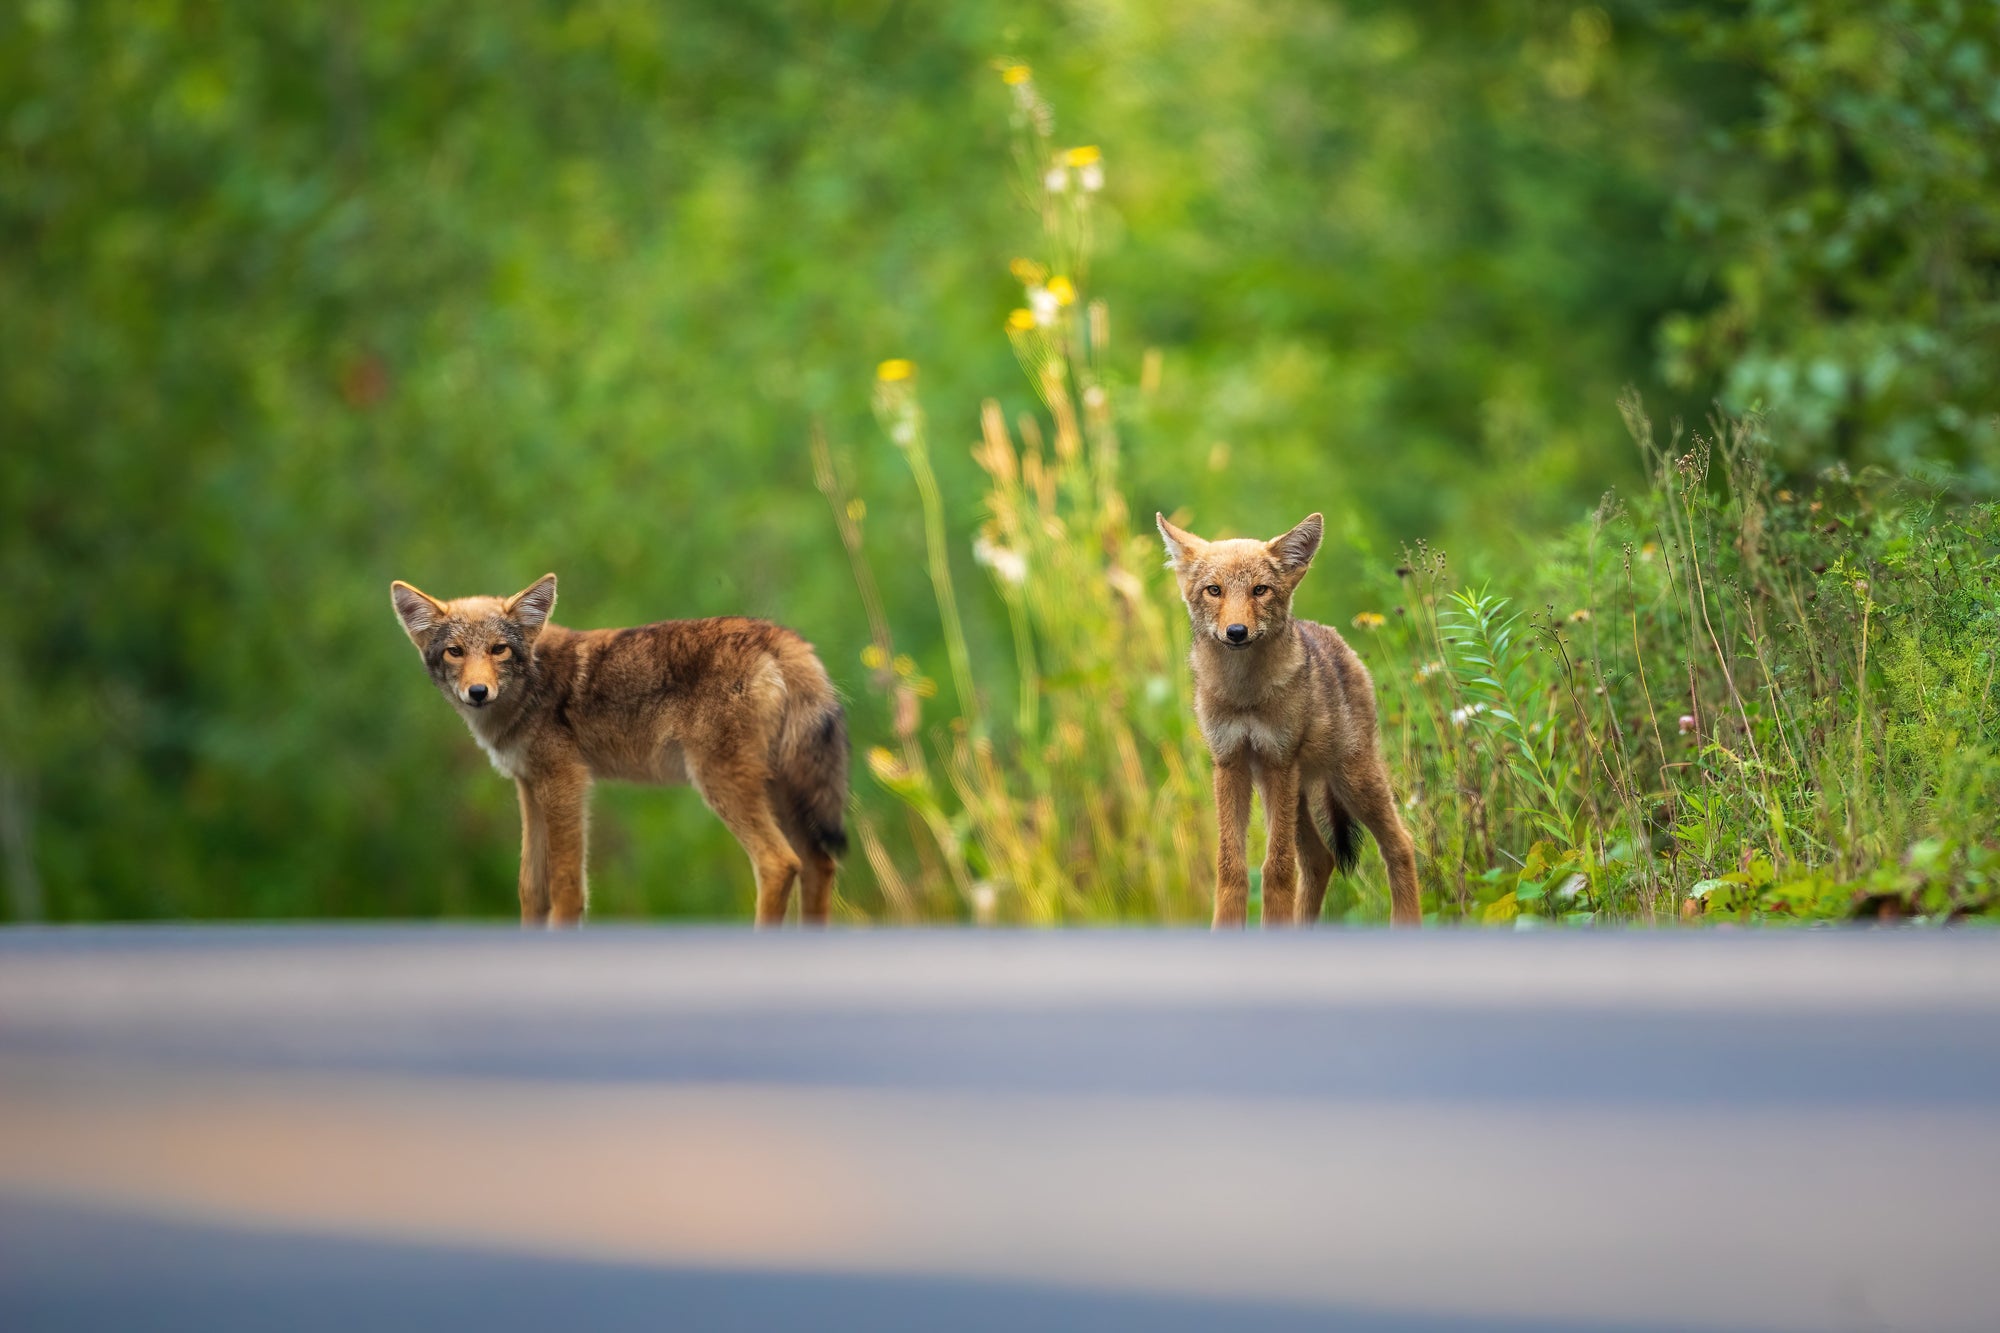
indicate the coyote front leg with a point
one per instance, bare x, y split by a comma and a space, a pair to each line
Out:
1232, 812
1280, 787
534, 858
563, 801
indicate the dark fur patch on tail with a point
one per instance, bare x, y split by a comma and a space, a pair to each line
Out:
1343, 836
814, 780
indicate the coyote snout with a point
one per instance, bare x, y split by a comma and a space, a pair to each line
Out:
1287, 705
740, 708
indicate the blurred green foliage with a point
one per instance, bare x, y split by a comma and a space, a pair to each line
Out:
1854, 228
296, 299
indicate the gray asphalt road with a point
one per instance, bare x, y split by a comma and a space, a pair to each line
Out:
432, 1128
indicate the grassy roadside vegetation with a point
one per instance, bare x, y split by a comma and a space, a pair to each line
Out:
298, 299
1722, 697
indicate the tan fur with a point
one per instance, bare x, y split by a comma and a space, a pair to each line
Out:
740, 708
1292, 710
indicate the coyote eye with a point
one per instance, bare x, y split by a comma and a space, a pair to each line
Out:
499, 650
1213, 590
454, 651
1261, 590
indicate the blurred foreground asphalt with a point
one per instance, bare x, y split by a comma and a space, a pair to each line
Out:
427, 1128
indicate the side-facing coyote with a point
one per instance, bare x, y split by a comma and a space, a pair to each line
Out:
740, 708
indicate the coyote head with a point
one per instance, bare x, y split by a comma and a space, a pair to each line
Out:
479, 649
1239, 592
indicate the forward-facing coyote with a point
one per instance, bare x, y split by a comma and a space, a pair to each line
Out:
740, 708
1286, 704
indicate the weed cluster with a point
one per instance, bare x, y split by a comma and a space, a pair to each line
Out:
1736, 700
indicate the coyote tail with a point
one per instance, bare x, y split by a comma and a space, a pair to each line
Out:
811, 769
1337, 826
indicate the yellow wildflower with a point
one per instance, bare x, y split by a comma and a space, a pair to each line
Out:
1578, 616
1028, 272
905, 664
1021, 321
873, 657
886, 766
1063, 290
1370, 620
898, 369
1013, 74
1082, 157
857, 509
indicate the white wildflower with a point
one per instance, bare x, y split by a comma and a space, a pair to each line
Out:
1091, 177
1009, 566
1057, 180
1045, 305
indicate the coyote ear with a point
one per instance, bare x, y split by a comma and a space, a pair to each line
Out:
1294, 550
418, 611
1182, 545
530, 607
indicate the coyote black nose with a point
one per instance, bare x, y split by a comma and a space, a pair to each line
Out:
477, 693
1237, 633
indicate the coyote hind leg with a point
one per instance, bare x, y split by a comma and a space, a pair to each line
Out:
816, 872
740, 798
817, 867
1373, 803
